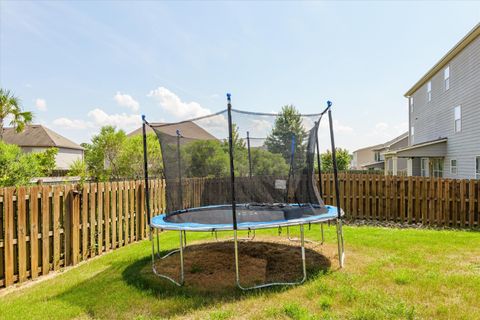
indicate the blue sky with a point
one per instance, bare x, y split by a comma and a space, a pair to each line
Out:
80, 65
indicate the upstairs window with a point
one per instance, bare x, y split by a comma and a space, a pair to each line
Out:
446, 77
453, 166
429, 90
458, 119
411, 104
412, 132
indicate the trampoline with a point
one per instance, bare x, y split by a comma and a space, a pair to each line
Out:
220, 180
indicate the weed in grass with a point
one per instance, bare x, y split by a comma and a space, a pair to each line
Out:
365, 314
296, 312
220, 315
402, 311
403, 277
325, 303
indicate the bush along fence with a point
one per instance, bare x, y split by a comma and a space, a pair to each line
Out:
45, 228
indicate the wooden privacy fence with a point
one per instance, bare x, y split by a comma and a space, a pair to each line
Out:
429, 201
44, 228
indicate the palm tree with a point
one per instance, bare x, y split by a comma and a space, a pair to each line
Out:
11, 106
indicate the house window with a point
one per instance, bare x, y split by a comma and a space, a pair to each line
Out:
412, 132
429, 90
411, 104
458, 119
477, 167
453, 166
436, 168
377, 156
424, 167
446, 77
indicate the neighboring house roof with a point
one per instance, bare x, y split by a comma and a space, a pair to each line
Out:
433, 148
370, 147
472, 35
388, 144
187, 129
374, 165
36, 135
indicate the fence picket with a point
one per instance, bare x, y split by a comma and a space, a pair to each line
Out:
56, 226
33, 201
21, 235
93, 220
84, 221
8, 237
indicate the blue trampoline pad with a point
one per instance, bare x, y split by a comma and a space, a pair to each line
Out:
249, 217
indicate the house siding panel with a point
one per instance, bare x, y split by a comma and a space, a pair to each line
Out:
435, 118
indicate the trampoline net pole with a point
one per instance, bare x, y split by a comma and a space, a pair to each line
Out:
232, 168
334, 163
145, 169
319, 163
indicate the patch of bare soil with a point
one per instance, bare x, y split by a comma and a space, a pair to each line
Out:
211, 266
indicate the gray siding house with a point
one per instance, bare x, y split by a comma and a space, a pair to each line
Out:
444, 115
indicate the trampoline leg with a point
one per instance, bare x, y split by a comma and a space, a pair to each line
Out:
237, 271
181, 257
323, 233
341, 247
158, 244
304, 266
180, 250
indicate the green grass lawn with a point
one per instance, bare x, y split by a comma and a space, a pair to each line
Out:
389, 274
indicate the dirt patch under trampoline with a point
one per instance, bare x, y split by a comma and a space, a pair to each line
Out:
211, 266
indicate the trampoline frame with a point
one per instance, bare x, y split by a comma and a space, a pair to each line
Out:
182, 232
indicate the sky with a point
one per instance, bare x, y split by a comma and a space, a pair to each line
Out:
80, 65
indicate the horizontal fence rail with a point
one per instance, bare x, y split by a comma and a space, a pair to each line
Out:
45, 228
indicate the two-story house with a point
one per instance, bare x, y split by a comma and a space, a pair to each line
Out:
444, 115
376, 157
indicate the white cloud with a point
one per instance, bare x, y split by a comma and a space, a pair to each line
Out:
98, 118
172, 104
41, 104
337, 126
71, 124
121, 121
126, 100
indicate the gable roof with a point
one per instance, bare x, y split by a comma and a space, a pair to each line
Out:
187, 128
388, 144
472, 35
36, 135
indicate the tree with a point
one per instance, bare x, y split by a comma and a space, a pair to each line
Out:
130, 159
102, 156
78, 168
18, 168
268, 164
288, 124
205, 158
240, 152
343, 160
11, 106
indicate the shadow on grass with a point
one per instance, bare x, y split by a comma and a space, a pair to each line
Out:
133, 290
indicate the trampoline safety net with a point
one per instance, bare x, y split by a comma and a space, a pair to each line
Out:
273, 155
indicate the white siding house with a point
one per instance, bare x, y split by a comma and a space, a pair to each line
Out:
37, 138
